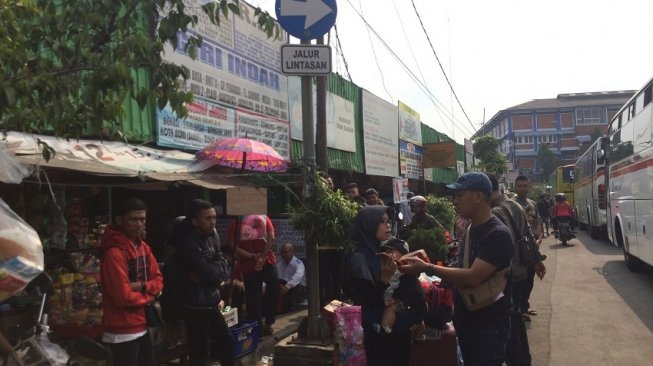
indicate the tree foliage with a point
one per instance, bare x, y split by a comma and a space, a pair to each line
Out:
326, 219
442, 209
486, 149
546, 161
68, 66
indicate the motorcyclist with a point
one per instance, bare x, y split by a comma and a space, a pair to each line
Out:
421, 219
561, 210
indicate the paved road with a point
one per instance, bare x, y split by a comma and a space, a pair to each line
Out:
592, 310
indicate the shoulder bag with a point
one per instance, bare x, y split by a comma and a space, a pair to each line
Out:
485, 294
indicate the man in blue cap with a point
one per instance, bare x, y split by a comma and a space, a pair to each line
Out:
483, 333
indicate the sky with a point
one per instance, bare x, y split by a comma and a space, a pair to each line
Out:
496, 54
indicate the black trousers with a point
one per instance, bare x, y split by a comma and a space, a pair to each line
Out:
139, 352
386, 349
257, 304
517, 352
528, 288
204, 326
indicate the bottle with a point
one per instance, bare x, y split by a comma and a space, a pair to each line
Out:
67, 281
79, 292
93, 294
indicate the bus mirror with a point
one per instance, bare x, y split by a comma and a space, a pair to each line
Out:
600, 157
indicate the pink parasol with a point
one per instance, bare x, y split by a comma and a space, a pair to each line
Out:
245, 154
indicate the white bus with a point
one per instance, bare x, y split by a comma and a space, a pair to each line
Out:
590, 200
630, 179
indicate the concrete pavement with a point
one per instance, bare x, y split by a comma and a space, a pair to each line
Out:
592, 310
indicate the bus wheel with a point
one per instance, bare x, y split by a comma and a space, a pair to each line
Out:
595, 232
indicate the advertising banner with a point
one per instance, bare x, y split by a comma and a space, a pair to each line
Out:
206, 122
409, 125
267, 130
411, 160
339, 114
380, 136
237, 66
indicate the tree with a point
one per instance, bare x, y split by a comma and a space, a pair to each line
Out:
486, 149
68, 66
546, 161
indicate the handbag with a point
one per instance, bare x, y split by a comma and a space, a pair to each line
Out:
485, 294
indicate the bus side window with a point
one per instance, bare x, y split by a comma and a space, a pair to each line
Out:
648, 95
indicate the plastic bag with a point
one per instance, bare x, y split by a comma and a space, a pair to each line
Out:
21, 252
11, 171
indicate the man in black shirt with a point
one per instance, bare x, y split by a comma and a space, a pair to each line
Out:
483, 334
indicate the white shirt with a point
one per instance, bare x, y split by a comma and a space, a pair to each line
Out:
121, 338
292, 273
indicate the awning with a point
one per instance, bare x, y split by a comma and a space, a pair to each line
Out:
117, 159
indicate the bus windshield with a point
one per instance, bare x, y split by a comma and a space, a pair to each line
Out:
568, 174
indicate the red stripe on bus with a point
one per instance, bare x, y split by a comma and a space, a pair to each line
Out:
632, 168
587, 180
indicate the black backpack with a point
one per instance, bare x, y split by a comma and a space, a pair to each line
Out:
171, 298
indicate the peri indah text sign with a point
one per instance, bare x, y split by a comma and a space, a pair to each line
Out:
305, 59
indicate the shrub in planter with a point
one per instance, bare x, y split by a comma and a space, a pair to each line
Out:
442, 209
432, 241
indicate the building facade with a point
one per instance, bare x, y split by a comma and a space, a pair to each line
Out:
567, 125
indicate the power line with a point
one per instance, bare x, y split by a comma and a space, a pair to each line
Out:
403, 29
342, 53
422, 86
440, 64
369, 36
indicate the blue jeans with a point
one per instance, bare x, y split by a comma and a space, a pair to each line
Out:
483, 347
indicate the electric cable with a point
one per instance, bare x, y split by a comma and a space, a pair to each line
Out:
342, 52
423, 87
376, 59
440, 64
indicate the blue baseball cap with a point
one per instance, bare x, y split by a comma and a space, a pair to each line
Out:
473, 181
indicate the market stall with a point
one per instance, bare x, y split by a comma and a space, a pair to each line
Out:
68, 200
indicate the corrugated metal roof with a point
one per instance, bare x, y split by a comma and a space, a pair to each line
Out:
138, 124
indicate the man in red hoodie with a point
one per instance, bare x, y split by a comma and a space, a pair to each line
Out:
130, 280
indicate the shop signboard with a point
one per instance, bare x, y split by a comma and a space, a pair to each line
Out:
380, 140
247, 201
410, 160
340, 117
440, 154
410, 128
237, 67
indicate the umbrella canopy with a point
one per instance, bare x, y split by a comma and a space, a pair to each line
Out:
245, 154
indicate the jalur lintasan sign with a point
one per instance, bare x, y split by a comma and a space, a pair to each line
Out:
305, 59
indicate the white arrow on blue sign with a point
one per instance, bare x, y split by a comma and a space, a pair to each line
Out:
306, 19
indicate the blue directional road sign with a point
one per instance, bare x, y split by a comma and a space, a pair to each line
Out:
306, 19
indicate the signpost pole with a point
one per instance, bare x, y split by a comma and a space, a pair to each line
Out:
312, 329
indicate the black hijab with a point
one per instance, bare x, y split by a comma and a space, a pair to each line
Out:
365, 225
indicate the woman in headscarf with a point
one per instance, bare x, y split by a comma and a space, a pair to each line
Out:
370, 272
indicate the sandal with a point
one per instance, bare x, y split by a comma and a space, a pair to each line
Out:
531, 312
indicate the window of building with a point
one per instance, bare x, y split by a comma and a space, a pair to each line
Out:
648, 94
591, 116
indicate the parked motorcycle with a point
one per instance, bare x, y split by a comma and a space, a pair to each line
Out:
37, 349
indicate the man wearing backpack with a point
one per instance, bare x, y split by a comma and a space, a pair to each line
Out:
514, 217
201, 263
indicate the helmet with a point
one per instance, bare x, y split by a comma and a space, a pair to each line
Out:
418, 200
560, 197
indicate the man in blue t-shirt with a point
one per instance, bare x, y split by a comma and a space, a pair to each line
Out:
483, 334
